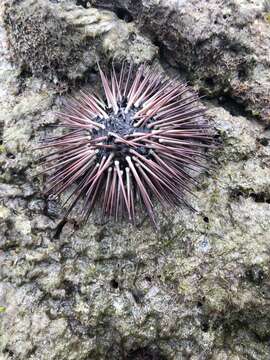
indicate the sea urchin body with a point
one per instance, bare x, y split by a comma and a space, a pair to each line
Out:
136, 144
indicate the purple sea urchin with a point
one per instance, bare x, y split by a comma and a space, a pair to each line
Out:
136, 144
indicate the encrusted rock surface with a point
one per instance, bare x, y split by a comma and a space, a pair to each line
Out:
224, 45
63, 41
197, 289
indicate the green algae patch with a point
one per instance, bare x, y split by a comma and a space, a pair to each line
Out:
2, 309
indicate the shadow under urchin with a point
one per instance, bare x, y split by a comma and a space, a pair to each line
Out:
134, 144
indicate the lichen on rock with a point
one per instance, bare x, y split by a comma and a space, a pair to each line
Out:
222, 45
199, 287
63, 41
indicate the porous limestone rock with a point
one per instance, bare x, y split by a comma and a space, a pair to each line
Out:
198, 289
222, 45
63, 41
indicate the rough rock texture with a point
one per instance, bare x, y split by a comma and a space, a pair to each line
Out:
200, 287
64, 40
223, 45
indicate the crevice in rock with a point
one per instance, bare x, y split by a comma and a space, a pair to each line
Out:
205, 325
206, 219
255, 275
114, 284
83, 3
148, 278
10, 155
70, 288
146, 353
225, 100
201, 302
1, 132
233, 107
8, 352
258, 197
261, 197
123, 14
264, 141
108, 5
137, 295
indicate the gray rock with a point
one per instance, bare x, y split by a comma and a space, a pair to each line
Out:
63, 41
196, 289
223, 46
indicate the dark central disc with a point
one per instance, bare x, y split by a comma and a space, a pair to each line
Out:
120, 124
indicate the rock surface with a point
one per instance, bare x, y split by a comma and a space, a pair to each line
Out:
63, 41
200, 287
223, 46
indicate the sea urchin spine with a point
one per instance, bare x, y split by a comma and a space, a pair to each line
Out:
135, 145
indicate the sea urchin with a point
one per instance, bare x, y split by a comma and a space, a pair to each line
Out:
139, 142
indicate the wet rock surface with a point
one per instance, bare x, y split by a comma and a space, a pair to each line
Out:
62, 41
198, 288
222, 45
